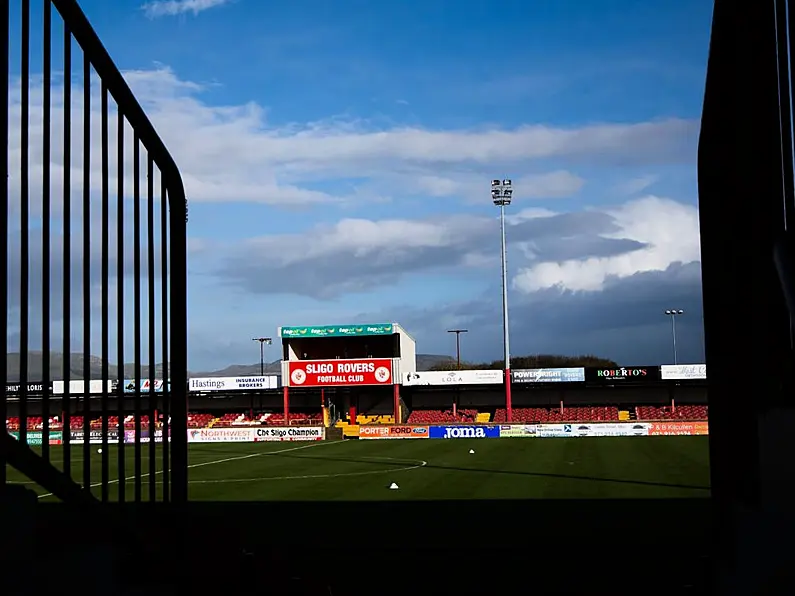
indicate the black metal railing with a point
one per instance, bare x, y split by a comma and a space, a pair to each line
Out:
92, 279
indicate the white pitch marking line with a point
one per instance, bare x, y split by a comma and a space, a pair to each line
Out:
215, 461
422, 463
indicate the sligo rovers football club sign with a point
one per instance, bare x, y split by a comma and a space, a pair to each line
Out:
336, 373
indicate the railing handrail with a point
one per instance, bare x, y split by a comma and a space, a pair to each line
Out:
117, 86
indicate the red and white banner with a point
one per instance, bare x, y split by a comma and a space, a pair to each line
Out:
331, 373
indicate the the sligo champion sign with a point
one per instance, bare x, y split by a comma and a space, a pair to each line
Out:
331, 373
453, 377
203, 384
549, 375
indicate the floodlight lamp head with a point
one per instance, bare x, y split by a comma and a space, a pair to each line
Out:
495, 183
506, 182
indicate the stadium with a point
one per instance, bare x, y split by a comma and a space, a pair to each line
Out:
350, 404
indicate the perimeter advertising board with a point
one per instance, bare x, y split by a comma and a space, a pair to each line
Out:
36, 437
78, 387
256, 434
409, 431
678, 428
337, 373
210, 384
548, 375
453, 377
518, 431
629, 375
464, 432
146, 386
34, 388
683, 372
94, 436
336, 331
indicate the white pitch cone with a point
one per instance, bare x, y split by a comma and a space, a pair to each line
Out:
393, 486
471, 451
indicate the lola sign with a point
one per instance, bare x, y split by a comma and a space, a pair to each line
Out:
335, 373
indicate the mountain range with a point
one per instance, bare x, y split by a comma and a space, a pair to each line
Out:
76, 367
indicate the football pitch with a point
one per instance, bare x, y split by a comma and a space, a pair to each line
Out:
364, 470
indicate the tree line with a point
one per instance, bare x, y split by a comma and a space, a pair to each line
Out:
536, 361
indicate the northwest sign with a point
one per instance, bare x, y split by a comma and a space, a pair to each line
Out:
337, 330
548, 375
453, 377
326, 373
234, 383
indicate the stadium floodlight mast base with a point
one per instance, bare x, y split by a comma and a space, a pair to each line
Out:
262, 341
673, 313
501, 194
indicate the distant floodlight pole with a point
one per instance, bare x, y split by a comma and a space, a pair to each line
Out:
673, 313
501, 192
262, 341
458, 333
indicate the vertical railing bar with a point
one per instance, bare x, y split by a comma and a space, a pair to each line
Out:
45, 230
67, 249
164, 319
24, 199
105, 240
4, 205
150, 236
86, 272
120, 301
137, 307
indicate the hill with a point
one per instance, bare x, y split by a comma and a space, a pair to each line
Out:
75, 364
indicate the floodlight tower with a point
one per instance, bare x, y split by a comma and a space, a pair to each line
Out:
501, 193
262, 341
673, 313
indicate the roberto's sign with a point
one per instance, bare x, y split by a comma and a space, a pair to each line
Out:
634, 374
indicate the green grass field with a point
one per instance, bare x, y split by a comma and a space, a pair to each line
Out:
604, 467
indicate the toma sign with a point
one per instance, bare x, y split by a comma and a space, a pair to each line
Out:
464, 432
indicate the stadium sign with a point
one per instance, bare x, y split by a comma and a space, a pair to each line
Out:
337, 373
33, 388
393, 432
289, 433
453, 377
145, 386
220, 435
36, 437
518, 430
233, 383
681, 372
548, 375
94, 436
78, 387
337, 331
639, 374
611, 430
678, 428
464, 432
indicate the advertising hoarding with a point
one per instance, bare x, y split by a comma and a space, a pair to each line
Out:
34, 388
145, 385
77, 387
453, 377
682, 372
464, 432
336, 373
207, 384
518, 431
94, 436
405, 431
625, 429
36, 437
548, 375
337, 330
629, 375
678, 428
255, 434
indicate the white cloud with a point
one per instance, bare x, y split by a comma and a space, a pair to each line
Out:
231, 153
170, 8
635, 185
669, 229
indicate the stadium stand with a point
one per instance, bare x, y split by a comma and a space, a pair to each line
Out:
441, 416
683, 412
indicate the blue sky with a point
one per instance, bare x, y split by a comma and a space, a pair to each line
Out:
337, 159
